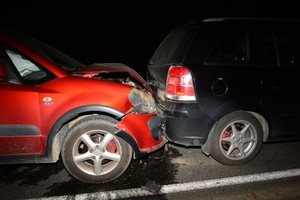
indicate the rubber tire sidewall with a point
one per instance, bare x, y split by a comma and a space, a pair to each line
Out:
82, 126
221, 124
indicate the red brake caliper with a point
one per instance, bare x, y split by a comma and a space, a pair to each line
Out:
111, 147
225, 135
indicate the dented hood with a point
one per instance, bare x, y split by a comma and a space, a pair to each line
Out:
100, 68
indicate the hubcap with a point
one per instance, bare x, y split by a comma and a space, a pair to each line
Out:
97, 152
238, 140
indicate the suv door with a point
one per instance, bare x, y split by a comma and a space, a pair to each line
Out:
280, 84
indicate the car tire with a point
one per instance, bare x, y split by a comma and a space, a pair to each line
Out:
237, 138
93, 140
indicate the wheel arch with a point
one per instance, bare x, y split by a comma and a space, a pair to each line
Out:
60, 127
251, 105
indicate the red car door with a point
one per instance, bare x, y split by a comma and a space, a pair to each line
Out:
19, 120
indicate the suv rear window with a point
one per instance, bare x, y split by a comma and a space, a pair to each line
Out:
174, 47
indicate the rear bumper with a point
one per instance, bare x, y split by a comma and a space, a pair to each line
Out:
185, 124
143, 132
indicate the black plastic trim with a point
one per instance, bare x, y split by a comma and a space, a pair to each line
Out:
131, 141
18, 130
177, 113
154, 125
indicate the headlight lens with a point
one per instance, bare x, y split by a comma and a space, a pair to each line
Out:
142, 101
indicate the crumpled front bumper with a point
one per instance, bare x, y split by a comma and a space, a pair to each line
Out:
143, 132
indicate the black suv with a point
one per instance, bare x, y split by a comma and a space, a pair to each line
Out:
228, 85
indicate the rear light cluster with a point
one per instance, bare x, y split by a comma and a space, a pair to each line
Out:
180, 84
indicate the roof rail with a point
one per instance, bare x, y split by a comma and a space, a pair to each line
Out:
244, 18
214, 19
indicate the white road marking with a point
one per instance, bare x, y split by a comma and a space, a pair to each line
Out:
181, 187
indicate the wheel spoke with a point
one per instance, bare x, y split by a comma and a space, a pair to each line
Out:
111, 156
107, 138
83, 157
234, 130
98, 166
230, 150
227, 139
248, 140
241, 151
87, 140
244, 130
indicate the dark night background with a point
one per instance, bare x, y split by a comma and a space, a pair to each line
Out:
125, 31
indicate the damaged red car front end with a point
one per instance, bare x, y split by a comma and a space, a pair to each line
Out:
140, 126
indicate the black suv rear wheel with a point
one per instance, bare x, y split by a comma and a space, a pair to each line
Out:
237, 138
92, 152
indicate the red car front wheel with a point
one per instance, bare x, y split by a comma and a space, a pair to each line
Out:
92, 152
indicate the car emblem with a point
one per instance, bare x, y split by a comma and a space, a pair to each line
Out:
47, 101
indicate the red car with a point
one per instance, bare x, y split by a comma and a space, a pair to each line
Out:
95, 118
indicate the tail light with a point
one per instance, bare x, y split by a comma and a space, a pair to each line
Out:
180, 84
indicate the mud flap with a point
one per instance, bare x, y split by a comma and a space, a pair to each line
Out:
206, 148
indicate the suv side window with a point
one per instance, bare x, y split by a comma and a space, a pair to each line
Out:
288, 42
233, 47
267, 51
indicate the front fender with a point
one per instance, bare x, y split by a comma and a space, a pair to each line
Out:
142, 132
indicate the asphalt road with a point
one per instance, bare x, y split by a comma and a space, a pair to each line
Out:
180, 175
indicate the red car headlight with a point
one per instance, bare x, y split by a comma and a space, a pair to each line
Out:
142, 100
